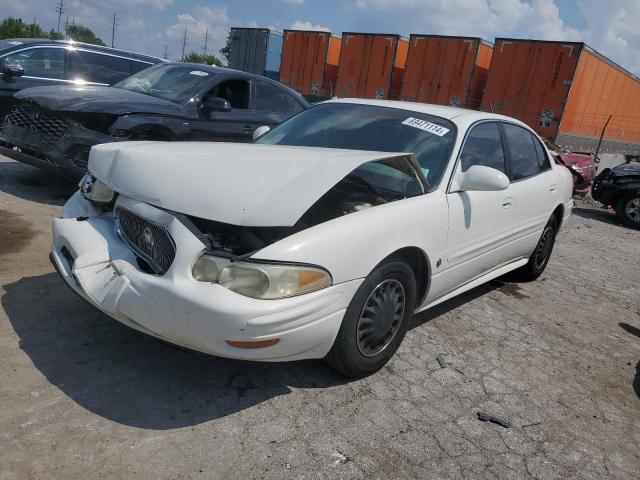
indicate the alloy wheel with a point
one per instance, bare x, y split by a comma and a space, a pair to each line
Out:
632, 210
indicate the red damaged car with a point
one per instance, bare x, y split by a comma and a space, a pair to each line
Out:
582, 166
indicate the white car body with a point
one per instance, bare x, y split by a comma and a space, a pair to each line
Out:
463, 238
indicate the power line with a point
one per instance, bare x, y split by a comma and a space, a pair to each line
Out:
184, 41
60, 9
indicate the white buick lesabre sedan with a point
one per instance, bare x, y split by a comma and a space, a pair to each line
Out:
322, 239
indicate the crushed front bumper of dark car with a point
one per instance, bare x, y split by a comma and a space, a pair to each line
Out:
47, 139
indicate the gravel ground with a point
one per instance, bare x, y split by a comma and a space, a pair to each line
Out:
83, 397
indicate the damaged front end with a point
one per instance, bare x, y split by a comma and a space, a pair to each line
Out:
44, 138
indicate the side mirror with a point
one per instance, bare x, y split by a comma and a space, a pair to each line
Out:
216, 104
482, 178
12, 69
260, 131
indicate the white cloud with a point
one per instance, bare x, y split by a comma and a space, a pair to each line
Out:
299, 25
215, 20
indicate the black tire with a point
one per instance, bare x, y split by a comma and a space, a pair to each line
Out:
362, 346
628, 209
540, 256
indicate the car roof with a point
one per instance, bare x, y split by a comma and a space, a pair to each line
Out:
72, 43
442, 111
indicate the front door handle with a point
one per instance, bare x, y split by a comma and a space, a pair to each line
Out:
553, 188
247, 129
508, 203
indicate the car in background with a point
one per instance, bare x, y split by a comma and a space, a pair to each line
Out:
619, 187
32, 62
582, 166
320, 240
56, 126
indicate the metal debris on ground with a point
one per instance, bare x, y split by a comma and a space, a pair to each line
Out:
531, 424
440, 359
485, 417
339, 458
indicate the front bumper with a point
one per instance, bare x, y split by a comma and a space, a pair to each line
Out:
99, 267
68, 155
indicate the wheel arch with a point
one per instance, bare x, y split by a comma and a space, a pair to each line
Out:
418, 260
558, 212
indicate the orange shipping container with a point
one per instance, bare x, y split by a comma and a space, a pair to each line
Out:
371, 65
310, 62
446, 70
566, 91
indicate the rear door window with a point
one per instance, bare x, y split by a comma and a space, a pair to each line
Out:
98, 68
543, 158
522, 150
483, 146
45, 62
271, 98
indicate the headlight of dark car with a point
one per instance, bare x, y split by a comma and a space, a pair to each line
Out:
93, 189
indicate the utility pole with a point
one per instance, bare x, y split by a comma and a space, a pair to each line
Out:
206, 39
166, 54
60, 9
113, 28
184, 42
66, 28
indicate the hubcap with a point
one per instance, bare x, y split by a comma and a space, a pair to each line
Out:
544, 247
380, 318
632, 210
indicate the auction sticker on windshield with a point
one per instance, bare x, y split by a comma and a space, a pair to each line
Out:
426, 126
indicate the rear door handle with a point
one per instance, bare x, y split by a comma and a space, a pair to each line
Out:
507, 204
553, 188
247, 129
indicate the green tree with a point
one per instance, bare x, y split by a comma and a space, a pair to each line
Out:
83, 34
15, 28
53, 35
194, 57
226, 50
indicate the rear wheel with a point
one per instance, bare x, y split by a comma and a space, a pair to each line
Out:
540, 256
628, 210
376, 320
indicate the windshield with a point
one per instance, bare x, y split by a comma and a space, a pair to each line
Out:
176, 83
367, 127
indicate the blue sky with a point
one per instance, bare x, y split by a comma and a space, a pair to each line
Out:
151, 26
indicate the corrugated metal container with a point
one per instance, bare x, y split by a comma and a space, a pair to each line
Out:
371, 65
566, 91
310, 62
256, 50
446, 70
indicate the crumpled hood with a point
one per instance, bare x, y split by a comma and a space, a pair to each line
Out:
96, 99
239, 184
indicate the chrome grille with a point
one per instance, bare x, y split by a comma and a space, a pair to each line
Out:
148, 240
50, 126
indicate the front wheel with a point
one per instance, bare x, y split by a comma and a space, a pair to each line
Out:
628, 210
376, 320
541, 255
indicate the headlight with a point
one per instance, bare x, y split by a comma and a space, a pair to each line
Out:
261, 280
93, 189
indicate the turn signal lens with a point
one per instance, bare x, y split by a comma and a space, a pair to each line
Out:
250, 345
